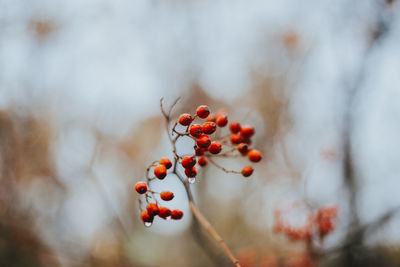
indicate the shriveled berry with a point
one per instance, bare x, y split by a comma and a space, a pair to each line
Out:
243, 148
199, 151
146, 217
160, 171
254, 155
141, 187
191, 172
247, 131
235, 127
236, 138
188, 162
209, 127
185, 119
203, 111
222, 120
166, 162
166, 195
195, 130
212, 118
246, 140
164, 212
203, 141
215, 147
202, 161
247, 171
221, 112
152, 209
176, 214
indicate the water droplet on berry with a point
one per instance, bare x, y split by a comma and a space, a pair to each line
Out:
191, 180
148, 224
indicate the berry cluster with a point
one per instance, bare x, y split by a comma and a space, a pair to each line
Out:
319, 223
208, 143
153, 209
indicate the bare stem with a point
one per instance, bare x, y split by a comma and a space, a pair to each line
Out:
222, 168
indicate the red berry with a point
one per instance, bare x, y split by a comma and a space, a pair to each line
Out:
152, 209
203, 111
222, 120
202, 161
243, 148
235, 127
254, 155
236, 138
146, 217
166, 195
195, 130
176, 214
164, 212
188, 162
247, 131
191, 172
247, 171
199, 151
215, 147
160, 171
141, 187
166, 162
209, 127
203, 141
185, 119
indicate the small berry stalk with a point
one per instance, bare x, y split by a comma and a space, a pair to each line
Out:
208, 145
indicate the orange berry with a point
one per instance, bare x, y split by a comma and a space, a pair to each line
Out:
254, 155
141, 187
209, 127
203, 111
166, 162
176, 214
247, 171
199, 151
152, 209
164, 212
243, 148
188, 162
160, 171
215, 147
203, 141
195, 130
236, 138
166, 195
222, 120
235, 127
191, 172
185, 119
202, 161
146, 217
247, 131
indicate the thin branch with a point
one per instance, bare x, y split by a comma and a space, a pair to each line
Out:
222, 168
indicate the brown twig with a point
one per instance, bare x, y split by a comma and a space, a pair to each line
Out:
222, 168
199, 219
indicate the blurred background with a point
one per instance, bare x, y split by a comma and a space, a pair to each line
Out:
80, 84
